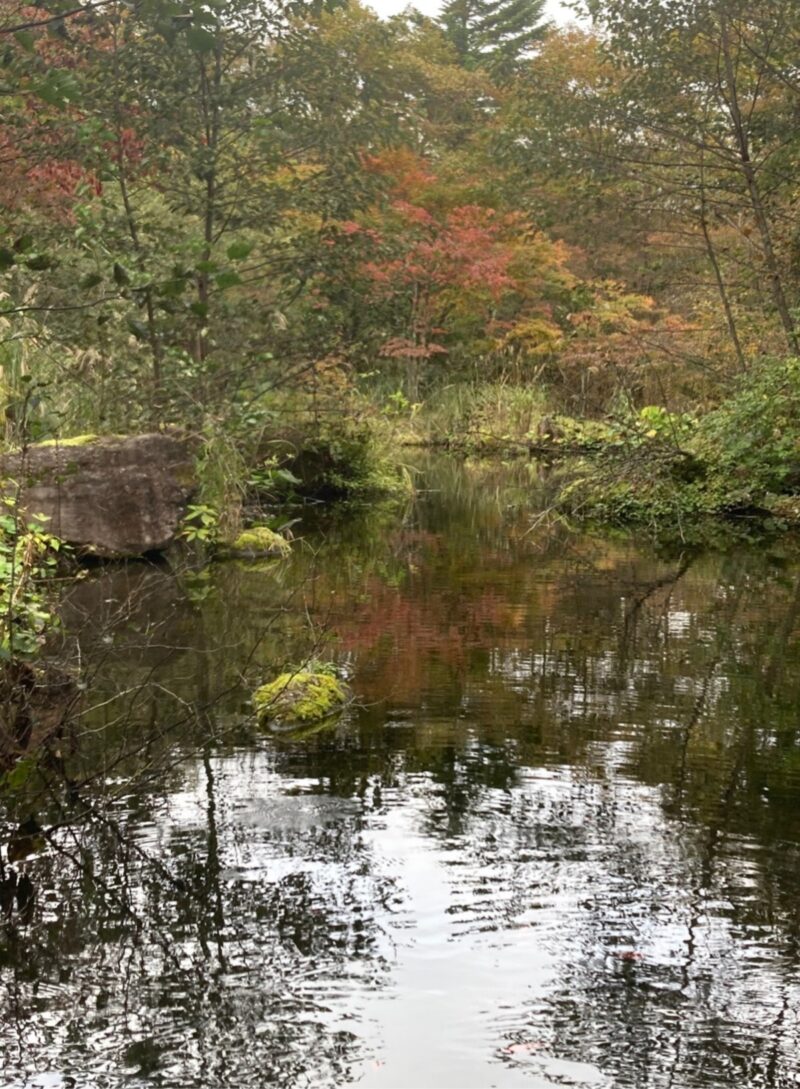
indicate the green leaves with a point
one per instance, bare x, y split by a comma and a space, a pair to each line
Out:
39, 262
138, 328
200, 40
201, 524
227, 278
238, 251
26, 563
58, 88
90, 280
121, 275
26, 40
22, 245
18, 777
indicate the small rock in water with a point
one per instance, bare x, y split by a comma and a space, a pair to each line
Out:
257, 541
299, 699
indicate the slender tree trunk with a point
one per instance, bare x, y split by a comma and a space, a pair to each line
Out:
209, 94
156, 350
748, 171
714, 262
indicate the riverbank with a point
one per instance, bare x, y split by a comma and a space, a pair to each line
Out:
671, 473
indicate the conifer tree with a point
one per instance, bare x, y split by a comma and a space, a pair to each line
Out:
493, 33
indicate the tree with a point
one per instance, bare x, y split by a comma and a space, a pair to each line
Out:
208, 168
676, 161
453, 282
495, 34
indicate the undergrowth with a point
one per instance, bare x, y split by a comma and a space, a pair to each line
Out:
739, 461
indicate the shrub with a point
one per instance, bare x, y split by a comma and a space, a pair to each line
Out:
751, 442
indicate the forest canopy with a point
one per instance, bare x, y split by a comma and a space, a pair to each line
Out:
212, 209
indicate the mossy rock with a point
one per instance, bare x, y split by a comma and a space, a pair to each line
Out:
75, 440
109, 496
785, 508
257, 541
296, 700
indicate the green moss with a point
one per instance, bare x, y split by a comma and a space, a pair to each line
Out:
75, 440
299, 699
259, 541
353, 462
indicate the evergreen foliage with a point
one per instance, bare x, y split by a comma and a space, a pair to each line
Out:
496, 34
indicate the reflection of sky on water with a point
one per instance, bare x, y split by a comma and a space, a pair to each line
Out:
562, 849
563, 915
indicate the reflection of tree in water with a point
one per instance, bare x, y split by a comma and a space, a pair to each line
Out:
598, 746
210, 965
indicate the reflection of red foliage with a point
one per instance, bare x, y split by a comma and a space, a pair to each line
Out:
402, 634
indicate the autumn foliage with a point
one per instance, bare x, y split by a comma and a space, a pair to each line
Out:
246, 196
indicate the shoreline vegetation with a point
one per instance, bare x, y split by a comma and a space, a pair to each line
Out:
642, 468
256, 258
648, 468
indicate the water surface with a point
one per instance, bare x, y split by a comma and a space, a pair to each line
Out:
556, 842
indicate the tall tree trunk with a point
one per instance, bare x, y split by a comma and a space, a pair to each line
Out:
209, 97
748, 170
715, 265
154, 341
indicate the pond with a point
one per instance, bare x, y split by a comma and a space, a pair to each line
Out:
554, 842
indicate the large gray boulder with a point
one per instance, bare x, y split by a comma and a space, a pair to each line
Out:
115, 496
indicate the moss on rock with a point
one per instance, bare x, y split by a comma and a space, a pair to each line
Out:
76, 440
784, 508
299, 699
258, 541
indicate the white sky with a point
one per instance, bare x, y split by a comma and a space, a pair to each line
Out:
553, 8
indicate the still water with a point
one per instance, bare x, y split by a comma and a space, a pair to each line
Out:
556, 842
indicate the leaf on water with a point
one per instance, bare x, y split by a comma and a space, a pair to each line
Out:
523, 1047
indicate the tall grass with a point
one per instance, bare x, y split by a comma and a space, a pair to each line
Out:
479, 412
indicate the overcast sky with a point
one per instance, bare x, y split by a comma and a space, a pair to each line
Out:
553, 8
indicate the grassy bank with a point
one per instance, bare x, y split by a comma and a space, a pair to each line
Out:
647, 467
293, 450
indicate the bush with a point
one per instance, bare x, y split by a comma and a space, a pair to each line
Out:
751, 443
736, 460
331, 461
28, 559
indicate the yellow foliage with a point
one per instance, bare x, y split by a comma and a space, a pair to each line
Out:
535, 336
